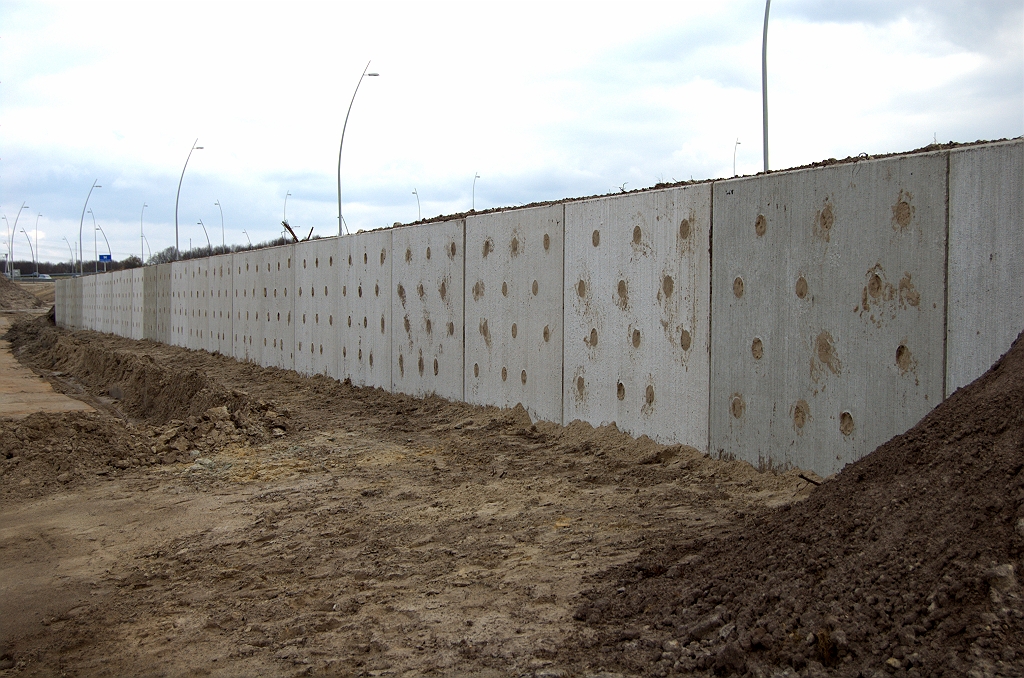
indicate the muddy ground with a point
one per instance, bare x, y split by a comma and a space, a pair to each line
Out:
218, 518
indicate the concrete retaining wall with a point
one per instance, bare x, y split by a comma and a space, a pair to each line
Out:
834, 306
986, 258
637, 299
365, 335
828, 310
513, 297
428, 270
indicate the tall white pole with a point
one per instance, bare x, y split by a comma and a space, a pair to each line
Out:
341, 218
80, 222
177, 252
764, 80
142, 235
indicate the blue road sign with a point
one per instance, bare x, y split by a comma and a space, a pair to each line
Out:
105, 257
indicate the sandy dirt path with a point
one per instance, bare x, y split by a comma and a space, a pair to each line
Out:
317, 529
22, 391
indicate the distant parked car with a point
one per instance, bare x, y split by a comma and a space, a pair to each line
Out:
44, 276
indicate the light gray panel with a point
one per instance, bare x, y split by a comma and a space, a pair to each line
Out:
179, 304
366, 302
317, 291
828, 310
246, 323
89, 318
637, 299
165, 303
220, 304
275, 291
151, 302
513, 298
428, 271
104, 293
986, 258
138, 302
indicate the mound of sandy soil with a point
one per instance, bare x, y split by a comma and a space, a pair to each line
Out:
13, 296
905, 563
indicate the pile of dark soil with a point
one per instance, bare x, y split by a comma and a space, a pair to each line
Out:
905, 563
12, 296
46, 451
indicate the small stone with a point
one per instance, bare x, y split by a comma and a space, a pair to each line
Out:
1020, 527
1002, 578
217, 413
64, 477
894, 663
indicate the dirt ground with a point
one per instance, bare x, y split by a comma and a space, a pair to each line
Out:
218, 518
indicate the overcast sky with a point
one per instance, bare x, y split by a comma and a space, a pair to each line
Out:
543, 100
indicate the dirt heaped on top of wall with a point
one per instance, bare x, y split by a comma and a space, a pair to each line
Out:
13, 296
906, 561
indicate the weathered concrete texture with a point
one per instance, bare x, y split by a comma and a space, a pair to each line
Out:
986, 258
179, 304
150, 302
245, 325
199, 309
221, 285
636, 313
89, 303
138, 303
104, 310
428, 272
365, 336
275, 289
318, 290
513, 297
828, 310
165, 304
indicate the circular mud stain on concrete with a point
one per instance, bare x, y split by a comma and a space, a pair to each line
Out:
801, 287
428, 252
596, 238
684, 229
737, 287
536, 288
581, 289
846, 423
451, 329
757, 349
513, 247
620, 391
504, 289
902, 213
636, 235
408, 255
522, 377
649, 395
547, 241
904, 358
684, 340
736, 405
623, 293
515, 330
435, 366
801, 413
580, 386
760, 225
547, 333
667, 285
636, 338
476, 369
488, 247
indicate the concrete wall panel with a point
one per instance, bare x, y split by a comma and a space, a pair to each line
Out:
180, 308
513, 298
428, 271
165, 304
636, 302
366, 305
150, 302
275, 291
317, 293
828, 310
986, 258
219, 283
138, 303
245, 325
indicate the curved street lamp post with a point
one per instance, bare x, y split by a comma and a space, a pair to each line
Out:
222, 241
37, 242
209, 247
341, 218
72, 253
95, 244
247, 237
109, 252
142, 234
419, 215
13, 230
80, 222
177, 252
764, 81
35, 263
475, 177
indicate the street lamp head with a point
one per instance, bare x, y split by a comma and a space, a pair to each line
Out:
373, 75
